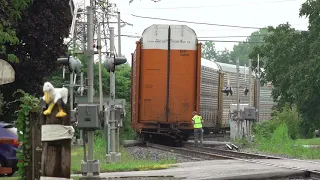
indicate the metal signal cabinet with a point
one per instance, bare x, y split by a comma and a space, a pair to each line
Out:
165, 86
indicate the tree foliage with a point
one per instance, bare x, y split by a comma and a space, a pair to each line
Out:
28, 105
208, 51
10, 12
242, 50
293, 65
41, 30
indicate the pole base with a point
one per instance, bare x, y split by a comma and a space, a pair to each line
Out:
113, 157
118, 157
90, 177
91, 168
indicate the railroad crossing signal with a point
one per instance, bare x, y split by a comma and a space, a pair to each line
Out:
73, 63
246, 90
112, 61
227, 90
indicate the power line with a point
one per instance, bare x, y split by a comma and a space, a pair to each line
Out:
216, 6
225, 29
211, 40
233, 36
192, 22
136, 36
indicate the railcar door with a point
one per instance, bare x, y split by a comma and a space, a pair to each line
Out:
182, 73
153, 74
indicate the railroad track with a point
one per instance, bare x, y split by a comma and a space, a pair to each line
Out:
232, 154
208, 153
211, 136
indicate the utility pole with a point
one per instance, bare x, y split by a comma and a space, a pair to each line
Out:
250, 98
100, 73
113, 156
119, 54
90, 167
238, 99
258, 88
119, 34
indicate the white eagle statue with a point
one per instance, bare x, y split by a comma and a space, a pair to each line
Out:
52, 96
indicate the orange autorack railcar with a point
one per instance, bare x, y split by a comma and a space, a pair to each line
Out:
165, 86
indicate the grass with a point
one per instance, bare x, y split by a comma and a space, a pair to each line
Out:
314, 141
128, 163
281, 143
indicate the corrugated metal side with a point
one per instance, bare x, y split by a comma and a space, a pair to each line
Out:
266, 103
209, 96
133, 87
227, 100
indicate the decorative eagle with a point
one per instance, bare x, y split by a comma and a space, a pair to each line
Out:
52, 96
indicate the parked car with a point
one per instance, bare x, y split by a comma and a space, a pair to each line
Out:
8, 152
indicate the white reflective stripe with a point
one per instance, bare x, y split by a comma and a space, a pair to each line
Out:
54, 132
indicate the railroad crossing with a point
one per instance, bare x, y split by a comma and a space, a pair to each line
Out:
228, 169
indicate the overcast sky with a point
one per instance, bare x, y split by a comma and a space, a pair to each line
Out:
252, 13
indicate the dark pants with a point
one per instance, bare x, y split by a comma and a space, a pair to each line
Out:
198, 133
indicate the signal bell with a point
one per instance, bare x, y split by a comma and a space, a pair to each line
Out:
111, 62
227, 90
246, 90
73, 63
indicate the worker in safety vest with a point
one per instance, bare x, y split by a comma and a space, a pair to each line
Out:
197, 125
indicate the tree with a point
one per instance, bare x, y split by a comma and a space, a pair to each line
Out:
41, 30
208, 51
10, 12
242, 50
293, 66
225, 57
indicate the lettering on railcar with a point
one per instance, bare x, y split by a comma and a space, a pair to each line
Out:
148, 86
184, 53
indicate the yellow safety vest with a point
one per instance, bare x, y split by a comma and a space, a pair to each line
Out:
197, 122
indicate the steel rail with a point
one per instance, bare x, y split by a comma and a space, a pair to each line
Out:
235, 154
218, 154
188, 152
314, 174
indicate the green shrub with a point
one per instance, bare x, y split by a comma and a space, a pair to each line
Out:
288, 116
126, 131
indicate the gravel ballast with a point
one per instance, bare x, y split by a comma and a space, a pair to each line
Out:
146, 153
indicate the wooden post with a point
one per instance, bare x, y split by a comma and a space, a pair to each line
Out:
56, 155
34, 167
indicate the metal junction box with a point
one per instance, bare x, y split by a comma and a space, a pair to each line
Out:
250, 113
88, 116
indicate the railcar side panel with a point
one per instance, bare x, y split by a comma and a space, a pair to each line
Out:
266, 102
209, 95
135, 79
231, 76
